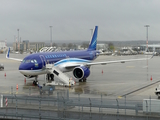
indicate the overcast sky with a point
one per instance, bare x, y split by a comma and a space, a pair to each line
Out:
73, 19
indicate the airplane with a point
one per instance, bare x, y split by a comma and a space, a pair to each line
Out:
78, 61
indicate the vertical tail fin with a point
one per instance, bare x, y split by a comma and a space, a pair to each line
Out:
93, 42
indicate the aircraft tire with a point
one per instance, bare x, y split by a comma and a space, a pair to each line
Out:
84, 80
34, 82
80, 80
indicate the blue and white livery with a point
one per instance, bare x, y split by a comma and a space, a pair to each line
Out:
77, 61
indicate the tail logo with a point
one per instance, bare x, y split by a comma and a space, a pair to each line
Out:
93, 43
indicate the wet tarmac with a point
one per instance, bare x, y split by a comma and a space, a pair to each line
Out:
111, 80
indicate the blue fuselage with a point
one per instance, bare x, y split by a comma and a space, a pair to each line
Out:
38, 60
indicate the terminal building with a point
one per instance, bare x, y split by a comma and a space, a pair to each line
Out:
151, 48
36, 46
25, 45
102, 46
3, 46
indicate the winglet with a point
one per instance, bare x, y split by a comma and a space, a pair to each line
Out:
7, 55
153, 55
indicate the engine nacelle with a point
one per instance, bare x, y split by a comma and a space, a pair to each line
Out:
81, 72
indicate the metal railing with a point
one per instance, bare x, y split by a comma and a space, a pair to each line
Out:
60, 106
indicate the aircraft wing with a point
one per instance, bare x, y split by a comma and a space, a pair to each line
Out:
104, 62
7, 56
73, 65
115, 61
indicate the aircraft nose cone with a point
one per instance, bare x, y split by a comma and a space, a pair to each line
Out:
24, 66
21, 67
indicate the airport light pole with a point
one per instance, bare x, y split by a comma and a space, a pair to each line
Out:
18, 40
51, 34
147, 26
91, 32
18, 34
14, 38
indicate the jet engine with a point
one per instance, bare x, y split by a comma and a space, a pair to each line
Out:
81, 72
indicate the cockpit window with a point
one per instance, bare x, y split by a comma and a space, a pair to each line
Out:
35, 61
30, 61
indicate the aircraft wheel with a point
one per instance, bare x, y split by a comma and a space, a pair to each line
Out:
80, 80
84, 80
34, 82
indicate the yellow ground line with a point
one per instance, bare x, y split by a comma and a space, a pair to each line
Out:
119, 97
6, 92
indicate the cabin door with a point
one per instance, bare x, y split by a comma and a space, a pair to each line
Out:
43, 60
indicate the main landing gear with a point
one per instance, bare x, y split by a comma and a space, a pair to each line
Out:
83, 80
35, 82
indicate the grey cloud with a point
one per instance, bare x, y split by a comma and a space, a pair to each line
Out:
73, 19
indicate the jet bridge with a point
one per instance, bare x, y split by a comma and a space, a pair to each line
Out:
66, 81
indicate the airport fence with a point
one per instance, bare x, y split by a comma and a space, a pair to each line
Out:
59, 105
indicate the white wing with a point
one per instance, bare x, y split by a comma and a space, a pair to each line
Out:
116, 61
104, 62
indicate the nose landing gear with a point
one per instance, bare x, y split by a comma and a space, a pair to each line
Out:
35, 82
48, 77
